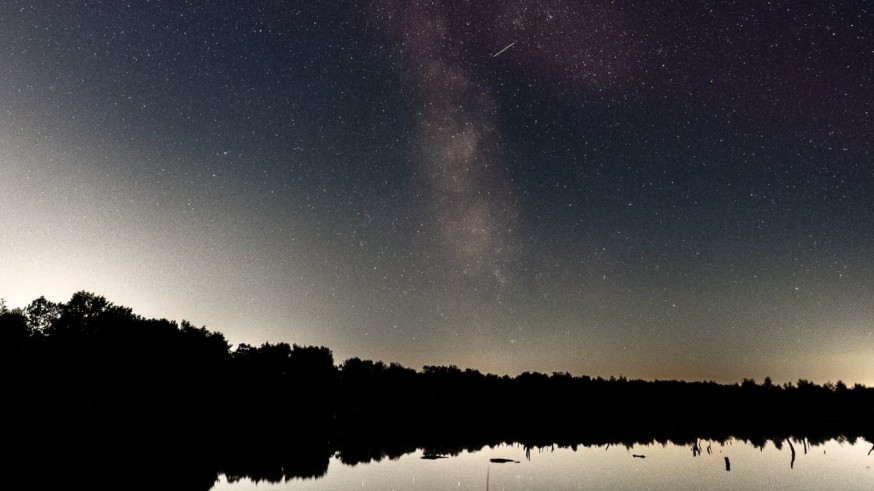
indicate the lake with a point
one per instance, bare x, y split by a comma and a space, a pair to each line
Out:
835, 464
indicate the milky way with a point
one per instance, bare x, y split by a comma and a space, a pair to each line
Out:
458, 147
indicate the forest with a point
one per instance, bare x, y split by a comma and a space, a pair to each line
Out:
95, 393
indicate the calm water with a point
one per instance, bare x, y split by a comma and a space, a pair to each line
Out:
832, 465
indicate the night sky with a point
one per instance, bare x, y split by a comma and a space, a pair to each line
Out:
646, 188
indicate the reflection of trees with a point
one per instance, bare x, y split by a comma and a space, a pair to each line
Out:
94, 386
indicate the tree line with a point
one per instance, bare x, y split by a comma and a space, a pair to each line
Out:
90, 381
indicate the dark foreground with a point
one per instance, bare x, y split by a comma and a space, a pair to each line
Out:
98, 397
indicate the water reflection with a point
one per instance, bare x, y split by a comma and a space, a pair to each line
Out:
607, 455
702, 464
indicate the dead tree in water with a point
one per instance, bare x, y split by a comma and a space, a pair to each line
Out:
727, 465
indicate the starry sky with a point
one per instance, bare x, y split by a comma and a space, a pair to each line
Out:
637, 187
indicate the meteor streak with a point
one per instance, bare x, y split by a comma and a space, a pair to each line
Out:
505, 49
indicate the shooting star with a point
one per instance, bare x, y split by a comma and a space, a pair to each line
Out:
505, 49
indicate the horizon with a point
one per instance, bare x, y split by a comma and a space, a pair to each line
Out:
660, 191
339, 361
